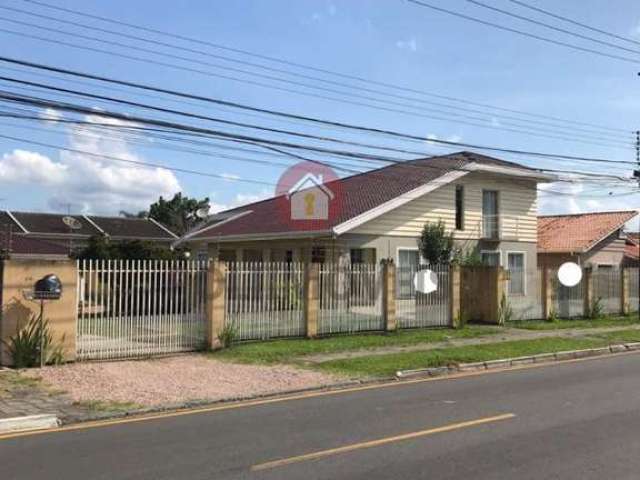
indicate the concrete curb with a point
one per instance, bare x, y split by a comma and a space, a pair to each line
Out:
518, 361
30, 422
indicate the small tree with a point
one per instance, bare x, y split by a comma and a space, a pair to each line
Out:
435, 245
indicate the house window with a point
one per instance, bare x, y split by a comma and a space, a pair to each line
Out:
357, 255
515, 264
491, 258
490, 214
459, 207
318, 254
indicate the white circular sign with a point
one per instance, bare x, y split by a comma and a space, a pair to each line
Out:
425, 281
569, 274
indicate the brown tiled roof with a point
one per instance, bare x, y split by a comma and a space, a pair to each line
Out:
51, 223
22, 245
357, 194
140, 228
579, 232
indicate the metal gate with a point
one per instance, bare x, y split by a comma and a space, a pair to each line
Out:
419, 310
139, 308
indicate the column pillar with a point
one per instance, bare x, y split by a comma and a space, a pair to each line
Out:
389, 295
454, 296
311, 298
216, 295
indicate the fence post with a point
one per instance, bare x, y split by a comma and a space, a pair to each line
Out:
389, 295
216, 295
547, 293
624, 291
311, 297
454, 296
588, 291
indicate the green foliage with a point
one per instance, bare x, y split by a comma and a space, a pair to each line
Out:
553, 316
101, 248
435, 245
25, 346
227, 335
177, 214
505, 312
595, 309
467, 258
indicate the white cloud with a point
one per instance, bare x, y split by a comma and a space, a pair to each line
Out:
238, 200
410, 44
230, 177
50, 115
86, 182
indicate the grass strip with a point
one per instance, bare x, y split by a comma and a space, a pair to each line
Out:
388, 365
618, 321
287, 350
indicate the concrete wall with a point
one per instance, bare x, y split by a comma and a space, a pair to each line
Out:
19, 276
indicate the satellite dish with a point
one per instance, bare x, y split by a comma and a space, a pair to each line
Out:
569, 274
425, 281
202, 212
72, 223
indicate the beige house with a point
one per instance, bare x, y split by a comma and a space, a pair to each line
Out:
489, 205
591, 239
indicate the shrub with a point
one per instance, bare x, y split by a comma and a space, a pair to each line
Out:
595, 310
553, 316
227, 335
434, 243
25, 346
505, 312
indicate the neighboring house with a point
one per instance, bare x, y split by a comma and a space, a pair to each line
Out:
20, 247
632, 250
589, 239
51, 228
489, 205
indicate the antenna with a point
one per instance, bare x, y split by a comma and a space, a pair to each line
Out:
203, 212
72, 223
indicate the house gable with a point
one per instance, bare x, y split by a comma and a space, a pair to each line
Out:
517, 200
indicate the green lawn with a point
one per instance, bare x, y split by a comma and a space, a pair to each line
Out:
388, 365
622, 336
576, 323
283, 351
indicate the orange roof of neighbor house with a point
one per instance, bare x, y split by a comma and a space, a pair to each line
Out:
578, 232
632, 246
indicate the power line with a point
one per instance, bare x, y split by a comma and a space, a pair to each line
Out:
551, 27
523, 33
199, 41
488, 125
260, 66
574, 22
294, 116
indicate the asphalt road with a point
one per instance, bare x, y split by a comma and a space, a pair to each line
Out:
567, 421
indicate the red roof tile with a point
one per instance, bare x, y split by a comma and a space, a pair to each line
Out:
632, 246
579, 232
357, 194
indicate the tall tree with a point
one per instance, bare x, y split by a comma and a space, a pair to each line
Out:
179, 213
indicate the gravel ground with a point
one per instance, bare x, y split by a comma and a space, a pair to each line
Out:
175, 380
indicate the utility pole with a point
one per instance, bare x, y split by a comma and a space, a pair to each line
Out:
636, 173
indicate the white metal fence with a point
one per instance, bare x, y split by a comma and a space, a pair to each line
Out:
265, 300
138, 308
415, 309
607, 289
350, 298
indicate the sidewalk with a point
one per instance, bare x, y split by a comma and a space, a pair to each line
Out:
507, 335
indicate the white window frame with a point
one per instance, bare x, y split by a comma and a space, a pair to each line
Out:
499, 252
524, 269
421, 261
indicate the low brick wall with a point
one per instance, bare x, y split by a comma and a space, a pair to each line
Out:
18, 277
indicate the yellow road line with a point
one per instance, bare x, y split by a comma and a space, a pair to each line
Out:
380, 441
301, 396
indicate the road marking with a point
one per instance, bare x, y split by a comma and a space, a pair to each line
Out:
301, 396
378, 442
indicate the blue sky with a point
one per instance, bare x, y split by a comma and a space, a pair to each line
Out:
393, 42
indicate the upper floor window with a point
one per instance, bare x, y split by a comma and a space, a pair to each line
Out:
459, 207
